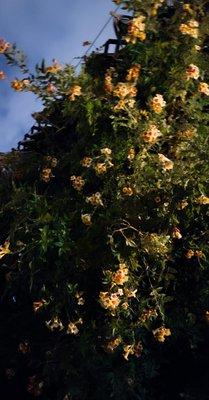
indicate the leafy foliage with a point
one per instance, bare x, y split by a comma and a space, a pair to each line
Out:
104, 256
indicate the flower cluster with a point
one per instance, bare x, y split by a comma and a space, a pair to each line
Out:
73, 328
187, 8
190, 28
112, 344
95, 199
4, 249
46, 174
108, 85
86, 219
3, 46
123, 90
77, 182
19, 86
109, 301
151, 134
203, 88
193, 253
155, 6
192, 72
176, 233
136, 30
166, 163
52, 161
182, 204
2, 75
54, 323
147, 315
131, 154
86, 162
203, 200
38, 304
50, 88
121, 275
157, 103
133, 73
161, 333
127, 191
79, 298
54, 68
132, 349
74, 92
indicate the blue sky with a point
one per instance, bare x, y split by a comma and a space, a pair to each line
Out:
44, 29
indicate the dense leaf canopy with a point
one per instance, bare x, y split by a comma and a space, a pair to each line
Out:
104, 220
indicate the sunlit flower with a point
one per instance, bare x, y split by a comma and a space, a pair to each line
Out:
54, 68
128, 350
106, 152
125, 305
124, 89
2, 75
86, 219
112, 344
17, 85
121, 105
198, 253
53, 161
189, 254
182, 204
46, 174
131, 154
176, 233
133, 73
100, 168
151, 134
77, 182
95, 199
54, 323
197, 48
4, 45
203, 87
167, 164
4, 249
136, 30
109, 301
187, 8
132, 349
190, 28
74, 92
121, 275
130, 292
72, 328
80, 299
147, 315
157, 103
108, 85
38, 304
192, 72
50, 89
202, 200
86, 162
127, 191
161, 333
